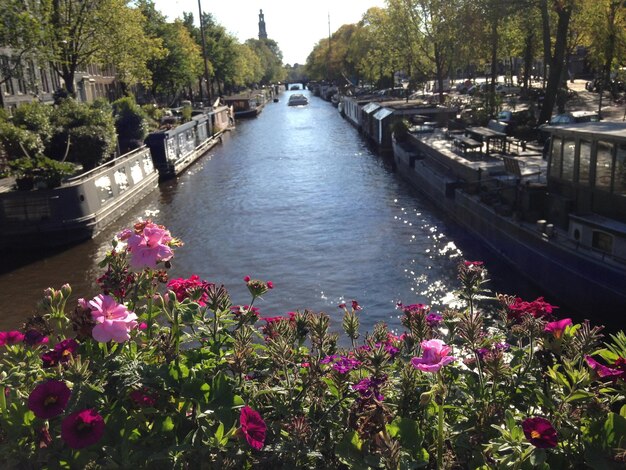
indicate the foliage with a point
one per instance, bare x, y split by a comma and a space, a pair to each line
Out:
89, 130
19, 142
39, 172
176, 376
131, 123
181, 64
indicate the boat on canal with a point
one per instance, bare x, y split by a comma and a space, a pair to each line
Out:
560, 219
247, 105
298, 99
174, 150
78, 209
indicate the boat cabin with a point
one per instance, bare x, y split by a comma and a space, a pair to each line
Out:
587, 184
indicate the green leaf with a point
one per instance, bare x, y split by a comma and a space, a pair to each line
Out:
178, 372
167, 425
407, 431
579, 395
349, 450
615, 431
538, 457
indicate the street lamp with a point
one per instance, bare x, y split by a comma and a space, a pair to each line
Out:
405, 85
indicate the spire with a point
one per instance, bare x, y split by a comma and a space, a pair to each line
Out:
262, 32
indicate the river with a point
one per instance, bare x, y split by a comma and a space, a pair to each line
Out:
295, 196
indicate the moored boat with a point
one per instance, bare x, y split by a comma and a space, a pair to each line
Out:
246, 105
80, 208
560, 222
173, 150
298, 99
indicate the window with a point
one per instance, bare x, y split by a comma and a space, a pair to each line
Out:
555, 158
584, 161
569, 153
604, 165
602, 241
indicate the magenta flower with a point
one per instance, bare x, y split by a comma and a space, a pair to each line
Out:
148, 245
538, 308
557, 328
48, 399
540, 432
35, 338
356, 306
61, 353
10, 337
605, 371
252, 427
369, 387
434, 356
194, 287
113, 320
143, 397
82, 428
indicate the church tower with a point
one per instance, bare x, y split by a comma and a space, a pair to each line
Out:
262, 32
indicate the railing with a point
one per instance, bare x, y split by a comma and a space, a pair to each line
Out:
118, 161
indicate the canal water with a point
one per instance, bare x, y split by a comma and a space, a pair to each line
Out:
295, 196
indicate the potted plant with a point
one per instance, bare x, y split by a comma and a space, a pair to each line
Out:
40, 172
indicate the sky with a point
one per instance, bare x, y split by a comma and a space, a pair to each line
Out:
295, 25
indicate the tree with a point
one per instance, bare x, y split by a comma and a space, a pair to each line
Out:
181, 65
271, 60
555, 57
20, 31
106, 32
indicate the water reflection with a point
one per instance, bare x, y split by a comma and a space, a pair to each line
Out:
294, 196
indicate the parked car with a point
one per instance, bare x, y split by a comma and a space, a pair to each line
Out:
572, 117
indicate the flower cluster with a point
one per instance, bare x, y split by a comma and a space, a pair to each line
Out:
166, 376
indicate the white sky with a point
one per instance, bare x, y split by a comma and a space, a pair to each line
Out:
295, 25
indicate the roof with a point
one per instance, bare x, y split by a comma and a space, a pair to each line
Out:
611, 130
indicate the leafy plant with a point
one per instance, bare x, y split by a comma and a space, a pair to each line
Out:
165, 373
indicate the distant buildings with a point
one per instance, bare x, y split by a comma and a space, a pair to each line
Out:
262, 31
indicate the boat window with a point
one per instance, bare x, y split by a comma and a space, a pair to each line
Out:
584, 161
619, 186
555, 158
602, 241
604, 165
569, 153
148, 166
136, 173
104, 188
121, 180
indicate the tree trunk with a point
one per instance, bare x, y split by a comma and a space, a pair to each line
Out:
557, 63
547, 53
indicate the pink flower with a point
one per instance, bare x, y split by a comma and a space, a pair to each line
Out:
356, 306
434, 356
252, 427
148, 245
270, 285
113, 320
10, 337
246, 279
143, 398
82, 428
557, 328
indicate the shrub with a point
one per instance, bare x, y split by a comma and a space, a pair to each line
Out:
18, 142
90, 129
151, 373
130, 123
35, 117
39, 172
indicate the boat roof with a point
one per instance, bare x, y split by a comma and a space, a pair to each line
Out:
610, 130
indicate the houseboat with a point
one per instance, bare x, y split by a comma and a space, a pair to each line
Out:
246, 105
560, 221
173, 150
80, 208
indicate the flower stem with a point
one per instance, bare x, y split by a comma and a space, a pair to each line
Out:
440, 423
